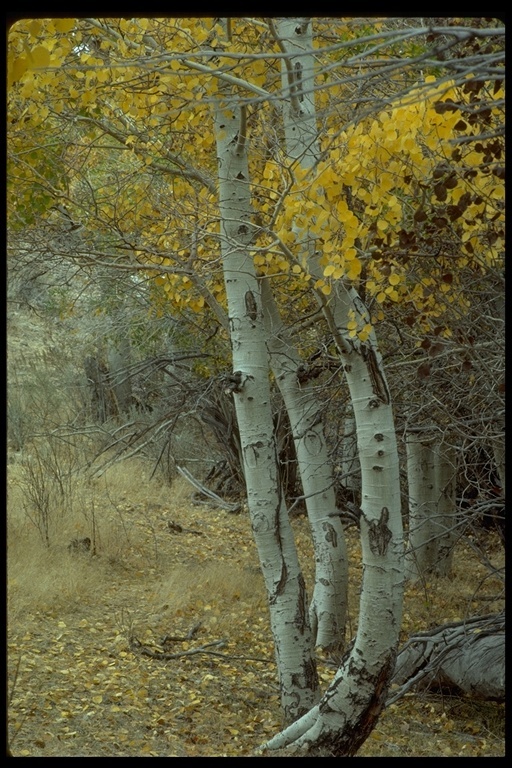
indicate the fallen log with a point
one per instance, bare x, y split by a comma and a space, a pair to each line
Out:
465, 657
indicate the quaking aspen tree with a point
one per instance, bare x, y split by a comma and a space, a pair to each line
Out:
293, 178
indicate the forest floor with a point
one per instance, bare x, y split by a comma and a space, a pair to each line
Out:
81, 625
80, 686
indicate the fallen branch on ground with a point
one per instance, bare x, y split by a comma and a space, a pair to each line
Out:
144, 650
467, 656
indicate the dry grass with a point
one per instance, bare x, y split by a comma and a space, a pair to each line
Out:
144, 581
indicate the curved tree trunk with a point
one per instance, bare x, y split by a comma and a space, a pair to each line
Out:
301, 142
251, 391
329, 603
349, 709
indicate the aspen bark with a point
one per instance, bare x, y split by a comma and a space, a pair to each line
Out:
250, 389
329, 602
350, 707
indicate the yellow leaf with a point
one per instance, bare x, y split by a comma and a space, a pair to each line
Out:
18, 69
97, 699
89, 97
40, 56
394, 279
355, 269
498, 193
63, 25
34, 27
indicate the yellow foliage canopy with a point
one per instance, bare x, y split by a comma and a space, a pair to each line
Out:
125, 105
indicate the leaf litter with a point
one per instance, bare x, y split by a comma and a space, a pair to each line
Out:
174, 657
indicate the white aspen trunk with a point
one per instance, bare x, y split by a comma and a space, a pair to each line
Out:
350, 467
423, 538
432, 506
301, 141
328, 606
298, 80
445, 469
251, 390
349, 709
